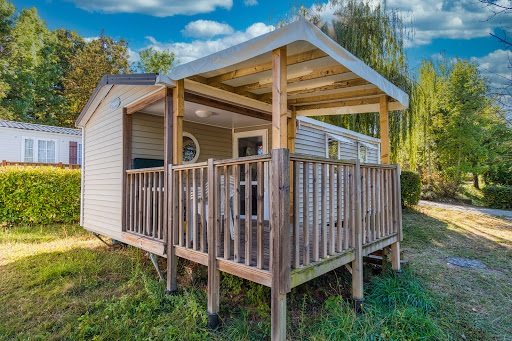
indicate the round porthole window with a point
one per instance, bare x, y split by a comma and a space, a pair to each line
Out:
190, 148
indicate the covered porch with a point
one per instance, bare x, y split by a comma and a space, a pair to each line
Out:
301, 216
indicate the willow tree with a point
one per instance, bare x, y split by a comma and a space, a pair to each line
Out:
376, 35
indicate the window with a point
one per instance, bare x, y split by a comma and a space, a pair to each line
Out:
333, 149
46, 151
363, 153
190, 148
28, 155
39, 150
79, 156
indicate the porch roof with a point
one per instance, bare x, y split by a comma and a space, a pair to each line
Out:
323, 77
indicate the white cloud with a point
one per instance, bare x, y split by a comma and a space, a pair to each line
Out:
206, 28
250, 2
89, 39
187, 52
432, 19
157, 8
495, 66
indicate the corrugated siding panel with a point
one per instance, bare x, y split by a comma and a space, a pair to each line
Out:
148, 138
103, 167
310, 140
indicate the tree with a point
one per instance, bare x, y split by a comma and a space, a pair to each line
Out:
101, 56
153, 61
26, 37
374, 34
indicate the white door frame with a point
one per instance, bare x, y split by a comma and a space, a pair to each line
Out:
252, 133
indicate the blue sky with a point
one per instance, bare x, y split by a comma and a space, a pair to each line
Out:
193, 28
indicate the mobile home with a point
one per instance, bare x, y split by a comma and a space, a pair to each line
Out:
219, 163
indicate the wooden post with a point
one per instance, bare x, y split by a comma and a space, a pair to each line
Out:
213, 240
292, 130
4, 163
127, 160
280, 266
397, 220
279, 99
178, 113
172, 260
384, 130
357, 264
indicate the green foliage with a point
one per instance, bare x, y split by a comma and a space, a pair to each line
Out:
153, 61
39, 195
47, 76
383, 33
410, 183
396, 308
499, 173
498, 196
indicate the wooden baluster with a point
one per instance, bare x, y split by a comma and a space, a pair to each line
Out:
296, 210
353, 204
218, 214
203, 212
188, 213
248, 214
236, 213
339, 204
374, 205
305, 214
377, 204
227, 222
382, 204
316, 246
346, 206
323, 191
131, 202
332, 216
195, 216
260, 259
161, 203
154, 205
181, 227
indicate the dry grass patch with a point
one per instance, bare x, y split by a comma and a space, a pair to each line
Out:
477, 302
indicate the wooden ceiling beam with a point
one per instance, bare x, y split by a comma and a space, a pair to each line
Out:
336, 96
320, 73
291, 60
229, 88
336, 85
145, 102
337, 104
228, 106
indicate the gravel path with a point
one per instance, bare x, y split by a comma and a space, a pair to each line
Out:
490, 211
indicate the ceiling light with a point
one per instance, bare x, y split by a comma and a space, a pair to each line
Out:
204, 113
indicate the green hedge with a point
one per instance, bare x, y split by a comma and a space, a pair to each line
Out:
498, 196
410, 183
39, 195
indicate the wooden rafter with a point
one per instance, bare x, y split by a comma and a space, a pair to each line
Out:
336, 96
336, 85
145, 102
325, 72
218, 104
337, 104
225, 87
291, 60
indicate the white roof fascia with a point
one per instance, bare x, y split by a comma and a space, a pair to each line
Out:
339, 138
301, 30
97, 100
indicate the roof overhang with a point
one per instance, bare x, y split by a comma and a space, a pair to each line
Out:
323, 77
108, 81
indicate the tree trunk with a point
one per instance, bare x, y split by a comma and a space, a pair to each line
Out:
475, 181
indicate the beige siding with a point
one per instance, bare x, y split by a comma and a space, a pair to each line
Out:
103, 159
148, 138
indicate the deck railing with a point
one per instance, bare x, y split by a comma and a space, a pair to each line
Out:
323, 208
145, 200
228, 199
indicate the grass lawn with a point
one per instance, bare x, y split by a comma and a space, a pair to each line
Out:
59, 282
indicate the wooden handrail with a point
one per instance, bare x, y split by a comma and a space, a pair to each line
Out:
6, 163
